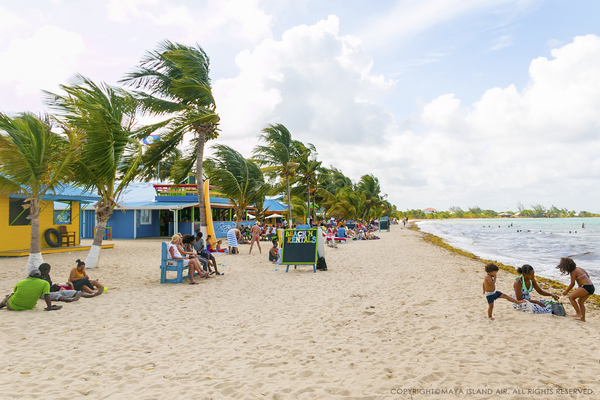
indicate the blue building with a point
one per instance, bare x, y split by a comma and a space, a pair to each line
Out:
154, 210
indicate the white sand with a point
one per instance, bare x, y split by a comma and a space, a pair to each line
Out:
398, 313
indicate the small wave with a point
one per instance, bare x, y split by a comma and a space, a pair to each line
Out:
588, 255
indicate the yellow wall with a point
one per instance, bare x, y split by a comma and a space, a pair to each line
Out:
19, 237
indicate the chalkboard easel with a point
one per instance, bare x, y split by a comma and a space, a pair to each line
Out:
384, 224
299, 247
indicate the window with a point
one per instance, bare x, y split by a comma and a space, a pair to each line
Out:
17, 215
62, 213
145, 217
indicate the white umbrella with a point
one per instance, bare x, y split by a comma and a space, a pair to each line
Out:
275, 216
250, 216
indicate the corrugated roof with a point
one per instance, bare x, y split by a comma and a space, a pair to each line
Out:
155, 205
273, 206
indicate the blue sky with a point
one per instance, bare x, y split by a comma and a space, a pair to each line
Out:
448, 102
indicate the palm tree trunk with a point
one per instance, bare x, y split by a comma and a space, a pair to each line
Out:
91, 261
366, 212
308, 201
287, 182
200, 180
35, 251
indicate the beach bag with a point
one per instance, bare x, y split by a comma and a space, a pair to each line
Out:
559, 309
321, 264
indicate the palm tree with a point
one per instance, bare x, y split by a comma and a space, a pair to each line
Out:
308, 169
369, 186
175, 82
239, 179
279, 156
345, 204
111, 155
329, 181
34, 161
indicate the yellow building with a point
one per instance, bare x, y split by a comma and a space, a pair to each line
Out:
56, 211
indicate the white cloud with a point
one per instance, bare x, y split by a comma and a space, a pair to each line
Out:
535, 145
41, 61
315, 82
209, 20
502, 42
409, 18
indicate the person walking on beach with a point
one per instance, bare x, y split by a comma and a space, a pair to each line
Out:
489, 289
255, 233
585, 286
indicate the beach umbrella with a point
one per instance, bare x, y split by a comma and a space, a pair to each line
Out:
275, 216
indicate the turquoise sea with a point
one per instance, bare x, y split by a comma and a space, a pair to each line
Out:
540, 242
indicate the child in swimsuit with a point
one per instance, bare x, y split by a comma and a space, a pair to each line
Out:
273, 253
489, 289
583, 292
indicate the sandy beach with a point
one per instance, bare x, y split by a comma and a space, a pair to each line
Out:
389, 316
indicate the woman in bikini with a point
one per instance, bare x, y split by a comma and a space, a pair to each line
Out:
523, 286
585, 286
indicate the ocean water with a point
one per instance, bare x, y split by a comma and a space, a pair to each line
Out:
539, 242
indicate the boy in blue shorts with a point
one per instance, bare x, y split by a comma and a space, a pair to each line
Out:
489, 289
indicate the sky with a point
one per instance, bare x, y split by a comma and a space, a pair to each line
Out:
486, 103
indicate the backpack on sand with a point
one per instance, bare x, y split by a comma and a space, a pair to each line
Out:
321, 264
558, 309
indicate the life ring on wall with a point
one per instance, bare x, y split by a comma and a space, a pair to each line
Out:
49, 233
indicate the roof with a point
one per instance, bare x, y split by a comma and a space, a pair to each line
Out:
155, 205
429, 209
273, 206
69, 193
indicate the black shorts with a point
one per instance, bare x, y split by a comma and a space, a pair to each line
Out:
590, 288
81, 283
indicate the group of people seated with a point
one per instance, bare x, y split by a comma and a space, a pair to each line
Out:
337, 231
267, 232
195, 255
39, 285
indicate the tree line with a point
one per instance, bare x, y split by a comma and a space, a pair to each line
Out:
93, 139
536, 211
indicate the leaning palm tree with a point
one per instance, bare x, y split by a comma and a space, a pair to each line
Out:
279, 156
174, 83
34, 161
111, 155
237, 178
369, 186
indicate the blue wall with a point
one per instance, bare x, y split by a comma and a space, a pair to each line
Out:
222, 227
147, 230
87, 221
122, 224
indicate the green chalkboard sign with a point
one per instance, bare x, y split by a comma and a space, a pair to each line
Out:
384, 224
299, 246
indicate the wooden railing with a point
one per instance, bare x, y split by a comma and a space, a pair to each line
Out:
183, 190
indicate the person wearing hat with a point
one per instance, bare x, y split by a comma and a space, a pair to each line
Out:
27, 292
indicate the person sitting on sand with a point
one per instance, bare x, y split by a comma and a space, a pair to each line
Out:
585, 286
489, 289
82, 282
233, 236
523, 286
60, 292
193, 263
214, 247
274, 252
27, 292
